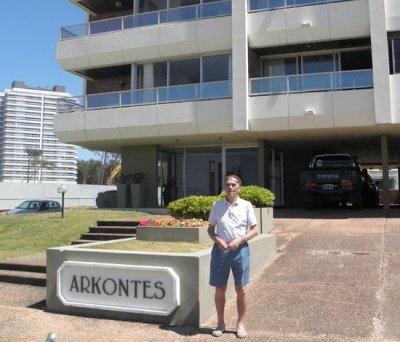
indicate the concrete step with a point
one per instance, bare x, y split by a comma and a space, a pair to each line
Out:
113, 230
26, 278
104, 237
81, 241
129, 223
23, 267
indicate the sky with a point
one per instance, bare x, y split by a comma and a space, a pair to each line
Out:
30, 30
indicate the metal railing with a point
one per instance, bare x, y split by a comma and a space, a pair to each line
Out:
259, 5
329, 81
140, 97
187, 13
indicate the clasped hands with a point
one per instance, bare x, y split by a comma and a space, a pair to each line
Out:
223, 246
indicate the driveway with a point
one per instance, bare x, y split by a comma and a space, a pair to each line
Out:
336, 277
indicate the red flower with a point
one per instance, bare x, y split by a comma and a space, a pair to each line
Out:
143, 223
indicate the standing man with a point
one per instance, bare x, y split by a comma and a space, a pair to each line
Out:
231, 224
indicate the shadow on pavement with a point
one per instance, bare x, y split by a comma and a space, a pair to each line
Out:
336, 213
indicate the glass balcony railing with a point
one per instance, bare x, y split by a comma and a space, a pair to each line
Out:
260, 5
187, 13
330, 81
140, 97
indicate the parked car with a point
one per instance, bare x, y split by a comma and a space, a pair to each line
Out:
36, 206
337, 178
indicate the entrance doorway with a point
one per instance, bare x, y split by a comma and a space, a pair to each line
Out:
199, 171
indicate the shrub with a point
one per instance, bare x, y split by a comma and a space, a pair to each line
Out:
257, 196
192, 207
198, 207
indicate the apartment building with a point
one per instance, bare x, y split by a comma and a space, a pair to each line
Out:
26, 122
188, 90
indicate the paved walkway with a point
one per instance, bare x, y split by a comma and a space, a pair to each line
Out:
336, 277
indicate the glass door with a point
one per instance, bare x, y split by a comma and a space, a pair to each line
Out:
202, 174
276, 175
242, 161
167, 189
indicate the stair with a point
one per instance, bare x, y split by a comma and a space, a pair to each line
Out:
31, 270
22, 273
109, 230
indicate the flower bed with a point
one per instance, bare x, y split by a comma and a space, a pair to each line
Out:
172, 230
173, 222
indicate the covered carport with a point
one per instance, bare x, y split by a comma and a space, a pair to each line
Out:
374, 147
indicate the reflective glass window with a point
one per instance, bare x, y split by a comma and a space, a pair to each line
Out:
185, 71
216, 68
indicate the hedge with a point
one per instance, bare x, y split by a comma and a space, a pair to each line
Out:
199, 206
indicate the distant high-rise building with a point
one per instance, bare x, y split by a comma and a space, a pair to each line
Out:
26, 122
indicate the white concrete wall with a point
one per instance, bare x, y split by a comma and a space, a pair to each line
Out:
146, 43
350, 108
392, 9
327, 22
12, 194
179, 118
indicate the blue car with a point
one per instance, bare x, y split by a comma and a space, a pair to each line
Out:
36, 206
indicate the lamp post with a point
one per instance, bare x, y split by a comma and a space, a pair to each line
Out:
62, 190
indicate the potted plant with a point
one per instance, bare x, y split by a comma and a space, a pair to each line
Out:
130, 192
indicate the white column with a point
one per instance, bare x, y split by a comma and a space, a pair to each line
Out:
239, 66
380, 58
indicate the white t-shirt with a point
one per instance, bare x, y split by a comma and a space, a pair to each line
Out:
232, 220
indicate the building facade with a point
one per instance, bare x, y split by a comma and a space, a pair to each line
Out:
26, 122
189, 90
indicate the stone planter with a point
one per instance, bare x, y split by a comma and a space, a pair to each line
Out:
265, 217
136, 194
122, 195
173, 234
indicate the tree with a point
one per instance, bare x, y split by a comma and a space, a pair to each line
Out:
36, 163
98, 171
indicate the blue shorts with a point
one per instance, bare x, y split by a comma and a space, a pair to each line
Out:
223, 261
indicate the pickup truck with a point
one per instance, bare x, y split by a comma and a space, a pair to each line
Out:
337, 179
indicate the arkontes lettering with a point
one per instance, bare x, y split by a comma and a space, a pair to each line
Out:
132, 288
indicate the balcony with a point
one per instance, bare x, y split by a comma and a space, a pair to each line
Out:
187, 13
151, 96
330, 20
329, 81
267, 5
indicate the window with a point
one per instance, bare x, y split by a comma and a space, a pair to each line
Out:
160, 72
355, 60
280, 66
186, 71
318, 63
322, 63
182, 3
394, 55
216, 68
152, 5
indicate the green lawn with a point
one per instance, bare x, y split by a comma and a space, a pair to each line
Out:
156, 246
28, 234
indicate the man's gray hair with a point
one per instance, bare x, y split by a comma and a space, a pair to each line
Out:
238, 179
